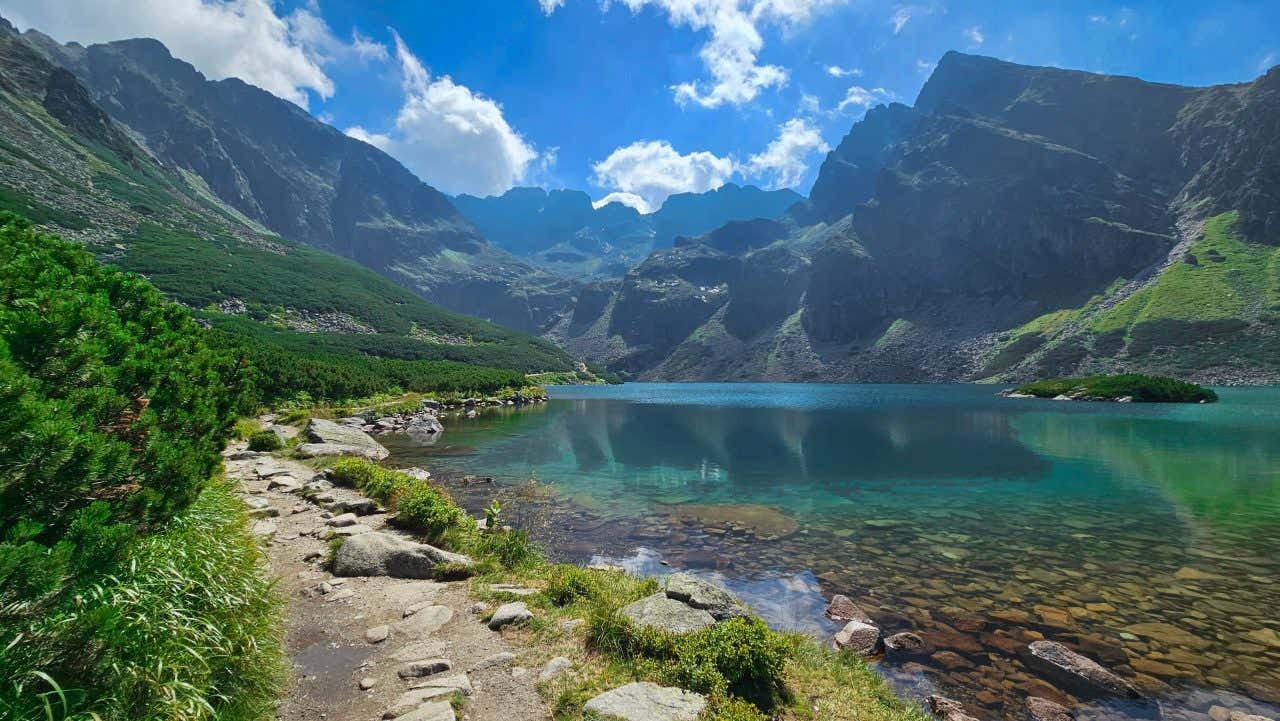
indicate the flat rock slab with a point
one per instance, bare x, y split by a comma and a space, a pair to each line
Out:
449, 682
430, 711
666, 614
646, 701
842, 608
425, 622
382, 554
703, 594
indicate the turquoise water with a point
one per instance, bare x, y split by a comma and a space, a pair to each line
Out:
1146, 536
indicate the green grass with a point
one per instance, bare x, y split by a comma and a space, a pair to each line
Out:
1141, 388
16, 201
1231, 279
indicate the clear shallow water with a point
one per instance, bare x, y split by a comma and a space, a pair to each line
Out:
1146, 536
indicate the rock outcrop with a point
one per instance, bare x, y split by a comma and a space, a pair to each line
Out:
644, 701
666, 614
382, 554
326, 438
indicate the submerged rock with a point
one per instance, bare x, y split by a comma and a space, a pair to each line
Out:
842, 608
1077, 673
666, 614
644, 701
381, 554
703, 594
905, 644
947, 709
1042, 709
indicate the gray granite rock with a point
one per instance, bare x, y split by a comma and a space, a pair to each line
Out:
862, 638
509, 614
701, 593
666, 614
326, 438
645, 701
382, 554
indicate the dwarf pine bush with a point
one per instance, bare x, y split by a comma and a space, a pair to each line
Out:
121, 578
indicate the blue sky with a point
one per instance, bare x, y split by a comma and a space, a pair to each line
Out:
479, 95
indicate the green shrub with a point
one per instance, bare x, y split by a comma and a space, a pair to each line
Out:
244, 428
428, 510
510, 549
568, 584
113, 413
740, 656
419, 506
1141, 388
730, 708
265, 441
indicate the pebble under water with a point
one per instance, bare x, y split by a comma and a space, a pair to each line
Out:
1145, 537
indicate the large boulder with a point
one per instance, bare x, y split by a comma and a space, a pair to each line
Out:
863, 638
1079, 674
382, 554
644, 701
1042, 709
701, 593
424, 424
326, 438
666, 614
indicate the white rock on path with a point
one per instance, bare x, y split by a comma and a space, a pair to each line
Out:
377, 634
430, 711
644, 701
346, 519
425, 622
555, 667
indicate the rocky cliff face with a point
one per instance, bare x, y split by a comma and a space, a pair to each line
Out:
951, 240
560, 231
307, 181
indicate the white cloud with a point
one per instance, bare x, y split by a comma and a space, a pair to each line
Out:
836, 71
631, 200
975, 35
221, 38
810, 104
732, 53
1268, 60
653, 170
783, 163
451, 137
924, 66
904, 14
860, 97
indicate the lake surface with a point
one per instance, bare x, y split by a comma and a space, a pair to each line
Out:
1145, 536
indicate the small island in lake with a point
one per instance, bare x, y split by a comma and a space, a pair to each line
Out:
1123, 388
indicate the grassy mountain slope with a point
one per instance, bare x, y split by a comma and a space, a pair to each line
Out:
305, 180
66, 165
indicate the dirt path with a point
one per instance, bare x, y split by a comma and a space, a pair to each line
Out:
334, 624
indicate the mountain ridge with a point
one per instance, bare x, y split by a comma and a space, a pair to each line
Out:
307, 181
561, 230
936, 234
